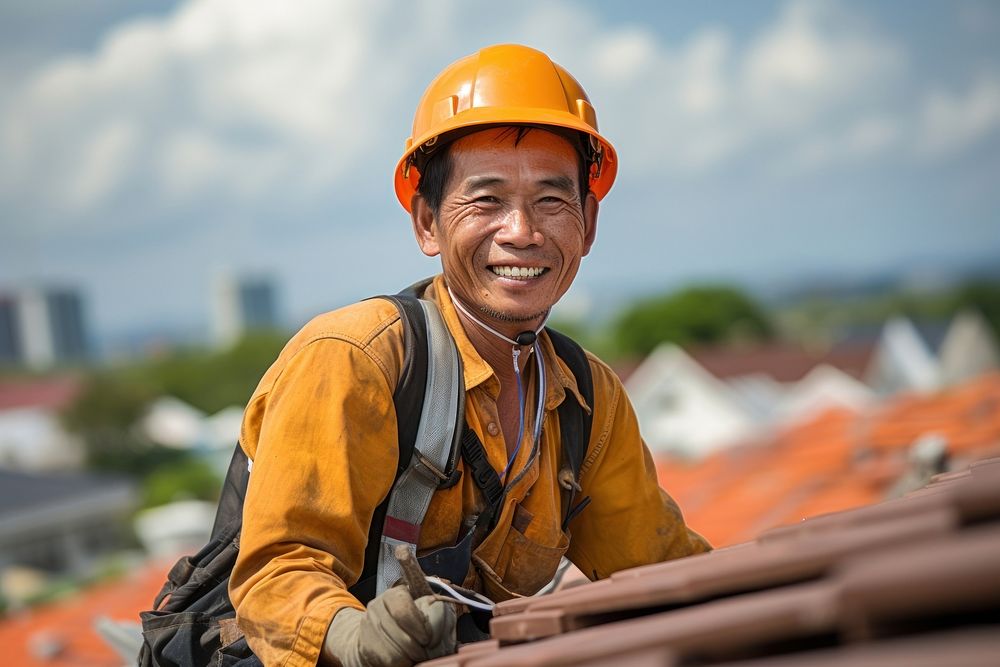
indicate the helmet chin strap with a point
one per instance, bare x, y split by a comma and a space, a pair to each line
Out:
524, 338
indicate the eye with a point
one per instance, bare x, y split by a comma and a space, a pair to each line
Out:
489, 200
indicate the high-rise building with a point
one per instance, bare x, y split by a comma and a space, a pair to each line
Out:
42, 326
243, 304
10, 347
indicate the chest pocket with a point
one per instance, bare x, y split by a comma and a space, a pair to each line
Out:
515, 561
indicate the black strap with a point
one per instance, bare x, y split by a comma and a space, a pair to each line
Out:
575, 423
483, 473
575, 426
234, 491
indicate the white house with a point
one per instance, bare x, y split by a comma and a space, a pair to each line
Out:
824, 387
902, 361
682, 408
32, 437
690, 404
968, 349
173, 423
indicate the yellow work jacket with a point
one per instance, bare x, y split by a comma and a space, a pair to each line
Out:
321, 432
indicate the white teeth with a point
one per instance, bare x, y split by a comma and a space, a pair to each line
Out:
517, 271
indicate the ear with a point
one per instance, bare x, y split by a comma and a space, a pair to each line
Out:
423, 226
590, 207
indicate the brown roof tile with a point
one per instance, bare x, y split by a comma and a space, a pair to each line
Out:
781, 361
909, 581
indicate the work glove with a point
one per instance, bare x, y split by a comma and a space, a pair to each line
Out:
395, 631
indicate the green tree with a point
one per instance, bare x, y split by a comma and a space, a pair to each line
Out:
697, 315
104, 415
211, 381
107, 413
983, 296
186, 478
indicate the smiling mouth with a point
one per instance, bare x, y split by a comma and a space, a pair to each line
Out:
518, 272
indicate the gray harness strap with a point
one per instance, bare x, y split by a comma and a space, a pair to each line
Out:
434, 453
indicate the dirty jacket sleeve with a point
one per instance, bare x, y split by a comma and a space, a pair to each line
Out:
314, 483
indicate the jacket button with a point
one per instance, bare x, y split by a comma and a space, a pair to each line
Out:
492, 428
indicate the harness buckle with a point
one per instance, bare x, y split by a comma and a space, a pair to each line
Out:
443, 480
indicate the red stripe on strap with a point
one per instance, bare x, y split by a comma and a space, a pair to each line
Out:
403, 531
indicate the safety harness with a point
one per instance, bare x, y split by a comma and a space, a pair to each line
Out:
430, 462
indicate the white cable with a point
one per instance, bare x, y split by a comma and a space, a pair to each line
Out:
483, 604
515, 353
461, 307
563, 566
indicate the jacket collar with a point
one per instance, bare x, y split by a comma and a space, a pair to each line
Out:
477, 371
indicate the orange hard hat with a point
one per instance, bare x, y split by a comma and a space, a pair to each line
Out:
507, 84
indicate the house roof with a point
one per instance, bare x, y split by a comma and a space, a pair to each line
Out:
61, 633
46, 393
817, 566
912, 581
35, 505
782, 361
21, 491
834, 461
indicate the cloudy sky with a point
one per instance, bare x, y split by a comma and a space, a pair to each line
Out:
147, 147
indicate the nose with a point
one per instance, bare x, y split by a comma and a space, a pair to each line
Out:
518, 229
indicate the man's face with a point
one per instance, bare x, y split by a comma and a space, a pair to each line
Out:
511, 228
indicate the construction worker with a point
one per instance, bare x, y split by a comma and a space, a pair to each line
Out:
502, 177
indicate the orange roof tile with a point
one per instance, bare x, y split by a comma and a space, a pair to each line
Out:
69, 624
834, 461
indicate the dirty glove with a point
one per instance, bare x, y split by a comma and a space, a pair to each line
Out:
395, 631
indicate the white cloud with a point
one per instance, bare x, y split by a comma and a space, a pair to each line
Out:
816, 57
872, 136
265, 133
196, 164
709, 99
951, 122
702, 87
245, 100
624, 55
105, 160
865, 139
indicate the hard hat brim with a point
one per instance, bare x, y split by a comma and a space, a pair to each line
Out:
406, 179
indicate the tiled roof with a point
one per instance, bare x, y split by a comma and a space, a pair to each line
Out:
783, 362
834, 461
61, 633
51, 393
911, 581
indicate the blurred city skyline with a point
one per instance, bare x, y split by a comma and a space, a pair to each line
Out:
147, 148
